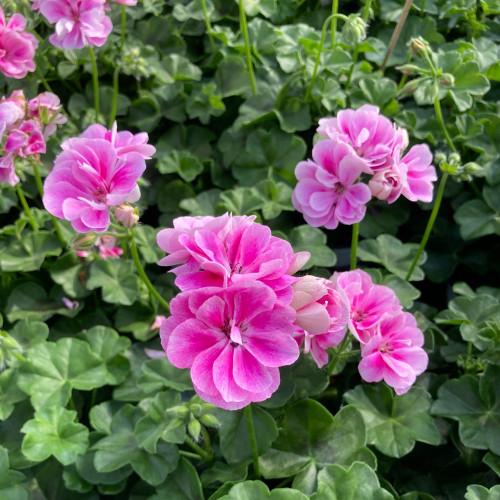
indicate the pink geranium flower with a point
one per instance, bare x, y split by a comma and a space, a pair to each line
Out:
372, 136
46, 107
12, 111
369, 303
79, 23
25, 140
88, 178
225, 250
327, 192
107, 247
127, 3
420, 174
394, 353
124, 141
388, 183
233, 339
8, 170
17, 48
322, 315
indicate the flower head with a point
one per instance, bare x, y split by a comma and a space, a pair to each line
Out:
46, 107
419, 172
25, 140
7, 170
233, 339
388, 183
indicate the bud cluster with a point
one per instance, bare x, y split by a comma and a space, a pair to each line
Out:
454, 166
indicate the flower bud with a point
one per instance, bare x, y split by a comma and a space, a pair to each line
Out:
127, 215
354, 29
420, 46
447, 79
454, 159
472, 168
410, 69
179, 411
84, 244
209, 421
194, 428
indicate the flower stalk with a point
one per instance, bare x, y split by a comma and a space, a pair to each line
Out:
253, 440
354, 245
95, 81
248, 48
26, 207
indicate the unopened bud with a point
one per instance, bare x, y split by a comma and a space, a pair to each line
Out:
439, 158
473, 168
127, 215
410, 69
411, 86
209, 420
447, 79
354, 29
194, 428
454, 159
420, 46
178, 411
85, 243
195, 408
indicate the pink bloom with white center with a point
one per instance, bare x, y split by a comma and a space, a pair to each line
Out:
227, 250
387, 183
327, 192
394, 353
233, 339
88, 177
420, 174
322, 315
25, 140
8, 170
124, 141
372, 136
79, 23
369, 303
17, 48
46, 107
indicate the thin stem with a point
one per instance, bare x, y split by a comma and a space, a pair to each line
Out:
188, 454
124, 27
439, 116
338, 354
95, 80
207, 24
430, 224
201, 452
366, 12
42, 79
114, 103
335, 9
354, 245
253, 440
143, 275
244, 29
26, 207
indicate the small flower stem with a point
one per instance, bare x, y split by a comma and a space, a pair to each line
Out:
366, 11
207, 24
338, 354
354, 245
248, 48
188, 454
39, 185
26, 207
335, 9
95, 80
439, 116
124, 27
430, 224
114, 102
143, 275
197, 448
253, 440
42, 79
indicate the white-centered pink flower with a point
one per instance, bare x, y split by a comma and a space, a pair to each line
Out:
233, 340
327, 192
394, 353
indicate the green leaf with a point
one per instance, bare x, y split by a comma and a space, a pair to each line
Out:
204, 102
378, 91
476, 405
394, 255
477, 219
478, 492
203, 204
160, 374
233, 433
493, 462
66, 271
313, 240
187, 165
53, 431
115, 276
277, 198
53, 369
29, 333
232, 77
469, 82
257, 490
10, 394
359, 481
394, 424
13, 484
178, 67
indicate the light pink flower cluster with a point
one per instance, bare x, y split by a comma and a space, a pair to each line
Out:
24, 127
330, 189
17, 48
391, 342
94, 172
232, 325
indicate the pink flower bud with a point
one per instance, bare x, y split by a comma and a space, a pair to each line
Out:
127, 215
388, 183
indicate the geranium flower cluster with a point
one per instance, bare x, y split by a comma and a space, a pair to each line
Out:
96, 171
358, 144
78, 23
24, 128
17, 48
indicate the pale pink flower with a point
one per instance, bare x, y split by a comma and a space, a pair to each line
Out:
420, 174
159, 320
88, 178
233, 339
46, 107
127, 3
107, 247
369, 303
78, 23
322, 315
7, 170
126, 215
17, 48
228, 249
387, 183
327, 192
394, 353
12, 111
124, 141
25, 140
372, 136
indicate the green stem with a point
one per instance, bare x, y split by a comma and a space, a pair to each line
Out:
366, 12
439, 116
26, 207
335, 9
114, 103
143, 275
207, 24
188, 454
95, 80
430, 224
206, 440
354, 245
43, 80
253, 440
244, 29
197, 448
124, 27
39, 185
338, 353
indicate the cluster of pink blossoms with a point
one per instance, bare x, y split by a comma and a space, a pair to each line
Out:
17, 48
24, 128
78, 23
96, 171
242, 315
359, 142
